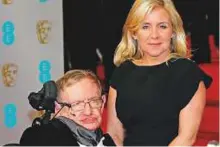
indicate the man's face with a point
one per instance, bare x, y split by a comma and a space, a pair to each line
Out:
85, 90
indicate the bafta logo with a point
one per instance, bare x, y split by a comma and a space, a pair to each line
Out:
43, 28
6, 2
9, 74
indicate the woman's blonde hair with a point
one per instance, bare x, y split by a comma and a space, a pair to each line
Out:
127, 48
73, 76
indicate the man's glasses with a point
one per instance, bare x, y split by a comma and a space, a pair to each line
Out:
80, 105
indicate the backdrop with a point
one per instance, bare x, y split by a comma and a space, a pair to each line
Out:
31, 53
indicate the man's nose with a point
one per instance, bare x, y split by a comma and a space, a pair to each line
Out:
87, 109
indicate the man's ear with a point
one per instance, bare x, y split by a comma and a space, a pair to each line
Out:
104, 101
57, 107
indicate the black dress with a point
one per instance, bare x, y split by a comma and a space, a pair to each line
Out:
150, 98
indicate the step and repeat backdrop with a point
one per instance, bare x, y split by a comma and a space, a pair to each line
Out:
31, 53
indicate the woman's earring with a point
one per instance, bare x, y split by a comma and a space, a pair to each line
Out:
173, 35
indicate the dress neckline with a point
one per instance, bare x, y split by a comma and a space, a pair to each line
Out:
165, 63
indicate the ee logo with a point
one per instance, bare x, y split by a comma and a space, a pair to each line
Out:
43, 1
8, 36
10, 118
44, 71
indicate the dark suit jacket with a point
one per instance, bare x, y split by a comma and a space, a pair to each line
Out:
55, 133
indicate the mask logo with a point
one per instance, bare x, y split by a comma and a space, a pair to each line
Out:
6, 2
9, 74
43, 29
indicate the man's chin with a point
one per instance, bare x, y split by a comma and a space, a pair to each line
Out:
91, 126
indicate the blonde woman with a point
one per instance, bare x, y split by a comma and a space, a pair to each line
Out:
157, 94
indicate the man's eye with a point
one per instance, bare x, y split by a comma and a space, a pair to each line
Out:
95, 102
77, 103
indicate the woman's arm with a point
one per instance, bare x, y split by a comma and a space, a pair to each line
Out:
114, 126
190, 118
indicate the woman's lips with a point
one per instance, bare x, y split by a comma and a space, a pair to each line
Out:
154, 43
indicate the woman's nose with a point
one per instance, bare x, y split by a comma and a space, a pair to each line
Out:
154, 33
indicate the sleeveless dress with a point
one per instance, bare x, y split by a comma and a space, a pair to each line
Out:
150, 98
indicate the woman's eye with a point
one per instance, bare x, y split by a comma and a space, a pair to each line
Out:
163, 26
145, 27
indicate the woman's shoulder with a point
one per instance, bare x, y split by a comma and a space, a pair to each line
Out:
126, 66
184, 65
183, 62
120, 72
189, 68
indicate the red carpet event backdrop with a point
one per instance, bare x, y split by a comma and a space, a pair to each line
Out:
31, 53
